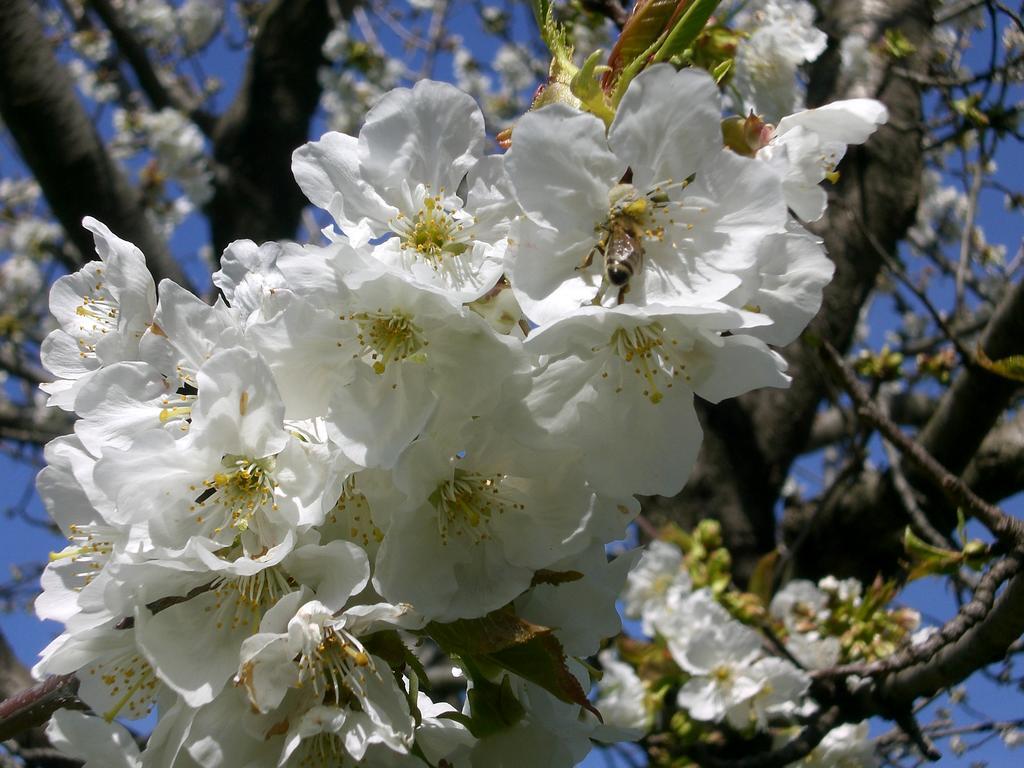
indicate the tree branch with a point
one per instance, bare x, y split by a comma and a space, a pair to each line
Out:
906, 408
997, 469
1007, 529
977, 398
255, 195
159, 93
965, 414
15, 678
58, 142
985, 642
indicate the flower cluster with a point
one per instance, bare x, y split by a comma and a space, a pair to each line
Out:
426, 429
735, 659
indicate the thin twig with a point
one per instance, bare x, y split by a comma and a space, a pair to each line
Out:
968, 231
906, 493
1007, 529
33, 706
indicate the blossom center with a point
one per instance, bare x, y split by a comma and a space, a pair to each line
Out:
437, 230
241, 601
722, 674
352, 513
131, 682
320, 749
647, 352
91, 545
178, 407
387, 337
334, 662
98, 314
238, 492
468, 503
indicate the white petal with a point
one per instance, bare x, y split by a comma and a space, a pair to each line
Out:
238, 405
851, 121
562, 170
328, 173
430, 134
666, 125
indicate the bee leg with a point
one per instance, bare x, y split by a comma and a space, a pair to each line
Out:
589, 258
622, 294
600, 294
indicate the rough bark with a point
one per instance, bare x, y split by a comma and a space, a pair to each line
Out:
255, 195
997, 469
14, 677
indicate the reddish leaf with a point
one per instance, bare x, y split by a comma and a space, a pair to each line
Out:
649, 19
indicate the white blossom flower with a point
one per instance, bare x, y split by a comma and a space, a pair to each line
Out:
658, 583
416, 176
194, 644
480, 515
622, 701
799, 602
236, 477
551, 734
351, 698
441, 738
178, 147
20, 280
719, 658
103, 310
785, 284
808, 145
680, 622
1012, 737
380, 360
199, 20
608, 374
783, 37
100, 744
115, 678
847, 746
580, 611
695, 211
845, 590
76, 578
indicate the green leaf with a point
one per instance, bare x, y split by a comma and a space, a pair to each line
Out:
555, 37
929, 559
503, 639
646, 24
763, 578
494, 707
488, 634
686, 30
587, 89
1011, 367
968, 107
541, 9
722, 71
897, 45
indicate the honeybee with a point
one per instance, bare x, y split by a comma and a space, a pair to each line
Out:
623, 250
621, 245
